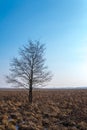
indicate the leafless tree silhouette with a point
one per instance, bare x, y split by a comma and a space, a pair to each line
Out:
29, 70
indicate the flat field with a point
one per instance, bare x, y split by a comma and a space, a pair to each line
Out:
50, 110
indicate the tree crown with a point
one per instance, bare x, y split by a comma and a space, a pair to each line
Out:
30, 67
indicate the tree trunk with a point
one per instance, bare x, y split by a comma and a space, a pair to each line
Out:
30, 95
30, 92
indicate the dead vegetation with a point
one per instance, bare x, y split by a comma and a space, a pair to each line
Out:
50, 110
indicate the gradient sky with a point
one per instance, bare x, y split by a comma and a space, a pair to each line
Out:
61, 24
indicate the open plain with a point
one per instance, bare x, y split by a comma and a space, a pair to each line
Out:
50, 110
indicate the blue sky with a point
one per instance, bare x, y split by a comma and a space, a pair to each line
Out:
61, 24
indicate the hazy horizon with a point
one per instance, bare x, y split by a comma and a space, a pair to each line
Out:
60, 24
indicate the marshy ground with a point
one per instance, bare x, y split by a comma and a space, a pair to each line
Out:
50, 110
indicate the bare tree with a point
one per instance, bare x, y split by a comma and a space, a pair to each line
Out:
29, 70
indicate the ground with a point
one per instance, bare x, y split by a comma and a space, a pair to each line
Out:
50, 110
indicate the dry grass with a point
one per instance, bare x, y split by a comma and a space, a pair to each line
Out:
50, 110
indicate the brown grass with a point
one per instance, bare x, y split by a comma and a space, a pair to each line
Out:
50, 110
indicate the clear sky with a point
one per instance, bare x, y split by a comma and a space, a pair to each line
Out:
61, 24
